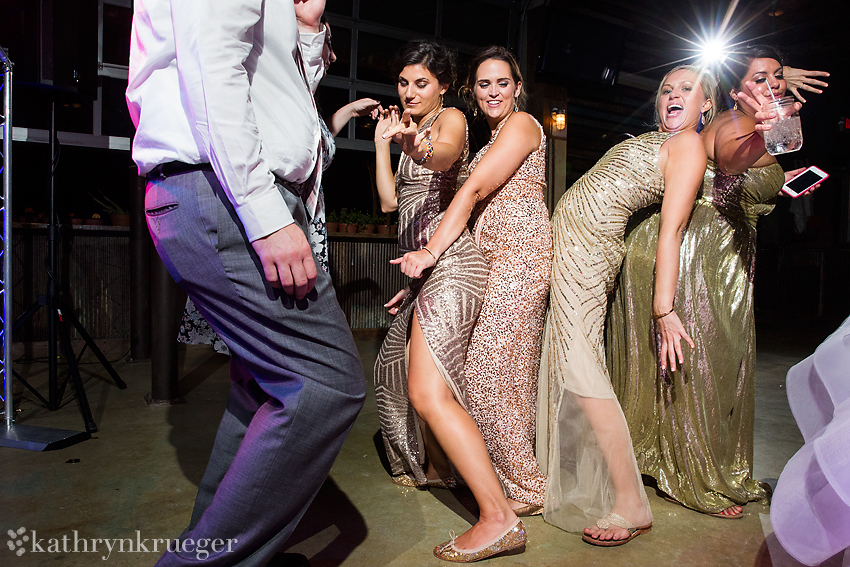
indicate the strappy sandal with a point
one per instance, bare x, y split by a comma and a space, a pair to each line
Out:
616, 521
736, 516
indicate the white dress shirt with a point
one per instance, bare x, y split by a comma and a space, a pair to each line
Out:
219, 82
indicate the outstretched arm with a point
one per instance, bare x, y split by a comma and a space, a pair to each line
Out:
519, 137
446, 138
801, 79
360, 107
683, 166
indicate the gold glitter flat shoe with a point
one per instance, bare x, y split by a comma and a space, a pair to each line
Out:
528, 510
449, 483
613, 520
408, 480
405, 480
513, 538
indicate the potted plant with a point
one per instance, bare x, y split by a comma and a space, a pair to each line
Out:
368, 223
353, 222
75, 220
332, 221
383, 224
95, 219
117, 214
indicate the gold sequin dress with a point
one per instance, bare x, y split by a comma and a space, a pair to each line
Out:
446, 299
589, 224
692, 430
514, 234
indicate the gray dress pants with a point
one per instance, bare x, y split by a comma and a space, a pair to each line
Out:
296, 379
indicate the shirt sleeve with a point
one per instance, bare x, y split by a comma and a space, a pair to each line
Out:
214, 39
312, 49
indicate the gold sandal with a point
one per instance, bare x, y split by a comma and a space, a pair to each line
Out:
616, 521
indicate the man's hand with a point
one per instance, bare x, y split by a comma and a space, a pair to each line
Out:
308, 13
287, 260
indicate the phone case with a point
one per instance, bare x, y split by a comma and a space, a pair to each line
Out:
793, 194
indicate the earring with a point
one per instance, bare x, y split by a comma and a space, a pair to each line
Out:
735, 106
516, 108
700, 124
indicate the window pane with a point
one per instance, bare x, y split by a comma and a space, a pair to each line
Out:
476, 22
341, 39
418, 16
329, 100
341, 7
115, 119
375, 57
116, 33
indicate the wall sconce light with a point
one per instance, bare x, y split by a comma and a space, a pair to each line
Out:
559, 119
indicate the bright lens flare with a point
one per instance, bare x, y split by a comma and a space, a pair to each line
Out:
713, 51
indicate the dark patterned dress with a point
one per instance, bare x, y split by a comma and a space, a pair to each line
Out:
446, 300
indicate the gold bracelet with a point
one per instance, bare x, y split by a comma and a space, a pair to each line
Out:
428, 250
657, 316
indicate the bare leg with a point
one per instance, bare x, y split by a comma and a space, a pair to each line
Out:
459, 437
438, 463
612, 434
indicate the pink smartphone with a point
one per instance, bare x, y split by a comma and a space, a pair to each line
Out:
800, 184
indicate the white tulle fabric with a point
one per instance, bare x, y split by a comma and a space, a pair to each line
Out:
810, 512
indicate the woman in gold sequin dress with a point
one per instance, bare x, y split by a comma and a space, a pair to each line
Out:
506, 180
583, 439
421, 363
692, 430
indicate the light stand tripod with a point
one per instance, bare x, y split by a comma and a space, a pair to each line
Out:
60, 316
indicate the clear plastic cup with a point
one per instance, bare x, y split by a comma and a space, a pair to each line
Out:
786, 132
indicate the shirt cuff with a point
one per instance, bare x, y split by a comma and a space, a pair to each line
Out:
264, 214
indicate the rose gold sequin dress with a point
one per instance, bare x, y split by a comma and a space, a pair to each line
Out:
446, 299
589, 223
692, 430
515, 236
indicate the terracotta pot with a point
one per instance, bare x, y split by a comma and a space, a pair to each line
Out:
332, 226
119, 219
353, 228
369, 228
95, 222
383, 229
393, 229
343, 227
76, 221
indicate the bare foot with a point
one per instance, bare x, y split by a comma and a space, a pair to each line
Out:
485, 531
731, 511
616, 532
608, 534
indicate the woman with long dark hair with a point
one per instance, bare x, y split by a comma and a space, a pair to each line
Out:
420, 381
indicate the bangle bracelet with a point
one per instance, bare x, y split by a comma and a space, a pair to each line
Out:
428, 153
662, 315
428, 250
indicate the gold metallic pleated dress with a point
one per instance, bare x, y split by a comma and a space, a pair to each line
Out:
514, 234
693, 429
589, 224
446, 299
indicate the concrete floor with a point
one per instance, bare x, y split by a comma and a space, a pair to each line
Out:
140, 472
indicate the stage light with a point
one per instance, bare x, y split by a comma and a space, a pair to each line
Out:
713, 51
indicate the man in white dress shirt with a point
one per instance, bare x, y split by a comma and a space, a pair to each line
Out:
227, 133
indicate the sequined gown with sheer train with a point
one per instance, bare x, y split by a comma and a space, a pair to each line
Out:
589, 224
446, 300
514, 234
692, 430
